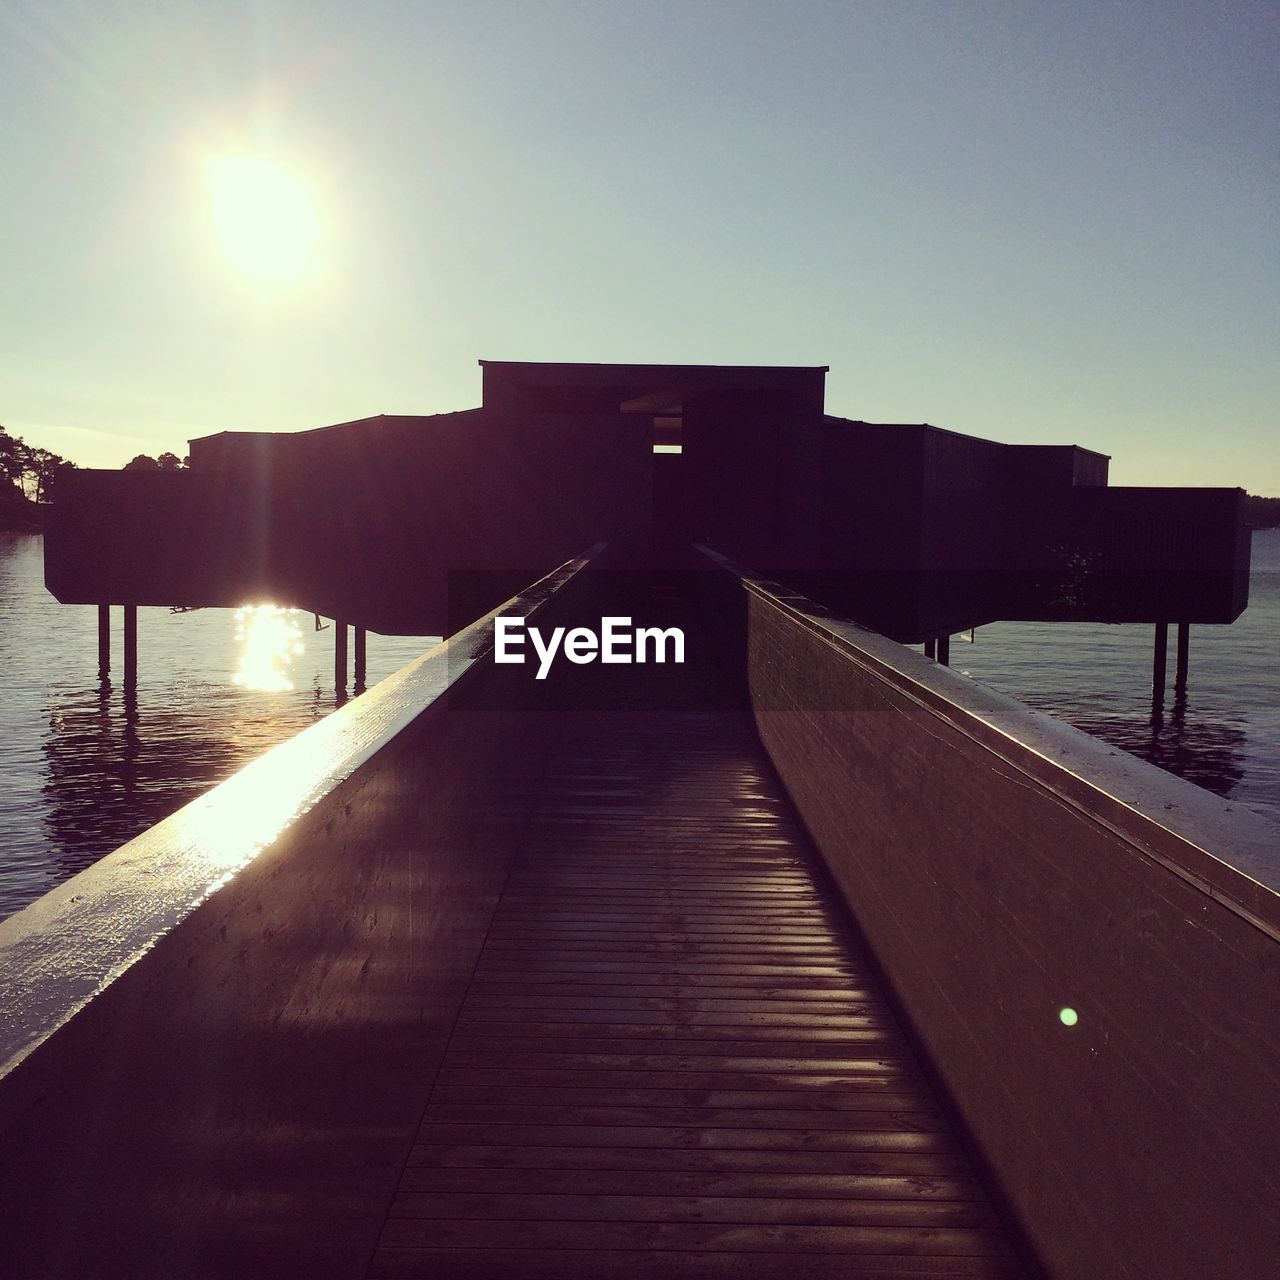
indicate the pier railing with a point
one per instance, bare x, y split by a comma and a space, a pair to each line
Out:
1086, 946
215, 1039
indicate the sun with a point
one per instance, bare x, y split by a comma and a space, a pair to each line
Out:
263, 216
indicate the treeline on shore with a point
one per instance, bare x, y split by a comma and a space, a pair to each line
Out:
1261, 513
29, 479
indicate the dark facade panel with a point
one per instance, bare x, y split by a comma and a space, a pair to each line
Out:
1138, 555
531, 387
1054, 466
363, 521
154, 538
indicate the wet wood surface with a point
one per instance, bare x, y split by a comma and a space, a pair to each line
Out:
673, 1060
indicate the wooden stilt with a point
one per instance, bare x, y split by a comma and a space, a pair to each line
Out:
104, 641
360, 659
944, 650
131, 646
1160, 661
1183, 659
930, 648
339, 655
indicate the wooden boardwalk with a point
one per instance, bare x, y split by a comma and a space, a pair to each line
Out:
672, 1060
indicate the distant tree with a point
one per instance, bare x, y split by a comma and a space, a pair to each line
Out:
143, 462
169, 462
42, 470
49, 487
32, 469
1261, 513
13, 453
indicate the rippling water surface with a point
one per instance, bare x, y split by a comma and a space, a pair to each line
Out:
82, 770
1224, 735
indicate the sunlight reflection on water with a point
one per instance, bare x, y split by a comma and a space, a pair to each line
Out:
270, 640
85, 766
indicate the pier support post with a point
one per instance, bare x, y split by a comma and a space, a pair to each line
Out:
1160, 661
1183, 659
104, 641
361, 664
131, 646
930, 648
339, 655
944, 650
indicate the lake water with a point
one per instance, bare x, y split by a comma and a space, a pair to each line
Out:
83, 769
1224, 735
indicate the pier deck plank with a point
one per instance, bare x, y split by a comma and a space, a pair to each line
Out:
673, 1060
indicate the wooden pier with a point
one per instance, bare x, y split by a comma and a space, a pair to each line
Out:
673, 1058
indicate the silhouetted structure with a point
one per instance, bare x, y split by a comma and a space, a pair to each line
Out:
416, 525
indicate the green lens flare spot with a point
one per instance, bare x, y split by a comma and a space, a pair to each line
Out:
1068, 1017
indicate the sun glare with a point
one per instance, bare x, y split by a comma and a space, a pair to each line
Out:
263, 216
270, 641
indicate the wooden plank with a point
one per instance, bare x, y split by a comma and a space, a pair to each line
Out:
878, 1202
893, 1176
643, 1237
732, 1045
865, 1136
646, 1115
493, 995
671, 968
692, 948
684, 1016
818, 1057
433, 1263
870, 1156
658, 1102
871, 1076
744, 1022
488, 990
686, 1034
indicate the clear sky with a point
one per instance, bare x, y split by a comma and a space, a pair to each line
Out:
1033, 222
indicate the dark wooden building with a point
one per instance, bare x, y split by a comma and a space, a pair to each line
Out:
415, 525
